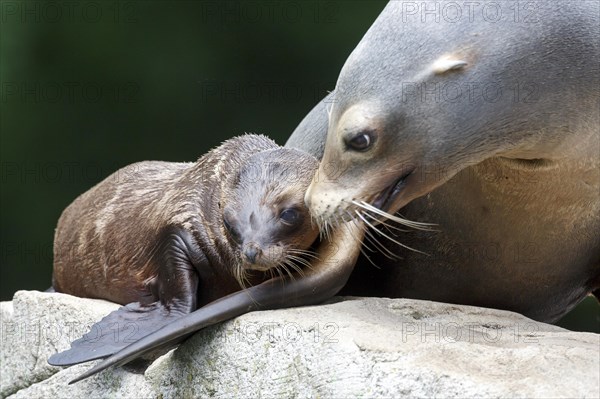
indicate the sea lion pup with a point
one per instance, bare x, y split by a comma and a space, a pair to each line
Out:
487, 128
168, 238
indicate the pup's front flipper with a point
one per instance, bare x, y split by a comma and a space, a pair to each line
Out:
114, 332
176, 285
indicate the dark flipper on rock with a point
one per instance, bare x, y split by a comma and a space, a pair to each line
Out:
323, 280
114, 332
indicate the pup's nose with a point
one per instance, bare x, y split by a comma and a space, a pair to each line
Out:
251, 251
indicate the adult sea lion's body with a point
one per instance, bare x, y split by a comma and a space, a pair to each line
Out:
170, 238
488, 128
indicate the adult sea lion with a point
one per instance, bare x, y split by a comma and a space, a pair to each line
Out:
169, 238
485, 123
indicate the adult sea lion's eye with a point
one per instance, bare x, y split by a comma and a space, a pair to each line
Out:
360, 142
289, 216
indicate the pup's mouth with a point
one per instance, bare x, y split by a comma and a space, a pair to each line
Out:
387, 196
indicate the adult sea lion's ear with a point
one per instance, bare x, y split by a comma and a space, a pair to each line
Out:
447, 63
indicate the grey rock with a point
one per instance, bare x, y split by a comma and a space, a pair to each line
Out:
34, 326
350, 347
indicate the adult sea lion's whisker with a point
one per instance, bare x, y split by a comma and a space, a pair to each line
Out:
384, 250
328, 230
409, 223
322, 228
392, 239
313, 222
405, 222
360, 244
365, 229
367, 238
380, 247
384, 223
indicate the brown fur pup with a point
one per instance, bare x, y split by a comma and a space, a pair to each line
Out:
168, 238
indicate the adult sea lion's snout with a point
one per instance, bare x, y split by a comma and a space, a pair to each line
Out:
356, 174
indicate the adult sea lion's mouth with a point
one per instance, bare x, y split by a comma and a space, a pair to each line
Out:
386, 197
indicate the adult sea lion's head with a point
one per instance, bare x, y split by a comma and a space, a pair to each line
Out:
386, 143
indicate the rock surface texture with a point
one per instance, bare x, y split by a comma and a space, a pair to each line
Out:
350, 347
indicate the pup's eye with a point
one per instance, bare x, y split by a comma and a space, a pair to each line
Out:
360, 142
289, 216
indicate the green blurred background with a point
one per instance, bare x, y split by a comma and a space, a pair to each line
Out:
88, 87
